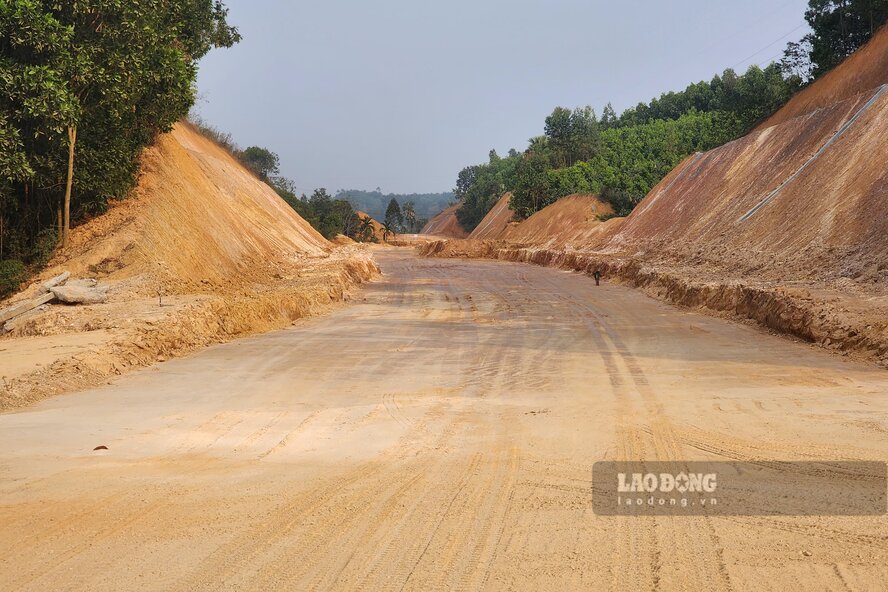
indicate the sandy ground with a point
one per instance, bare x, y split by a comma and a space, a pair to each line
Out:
439, 434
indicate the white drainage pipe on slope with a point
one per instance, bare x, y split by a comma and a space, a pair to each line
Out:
881, 90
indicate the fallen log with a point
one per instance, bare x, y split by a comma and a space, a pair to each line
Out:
23, 318
23, 307
53, 282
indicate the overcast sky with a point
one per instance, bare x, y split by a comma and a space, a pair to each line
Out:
401, 94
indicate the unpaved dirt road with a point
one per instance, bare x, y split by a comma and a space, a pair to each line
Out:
439, 434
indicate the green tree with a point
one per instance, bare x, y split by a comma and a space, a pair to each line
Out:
387, 229
532, 191
838, 29
261, 161
329, 216
796, 63
85, 86
366, 232
409, 210
608, 117
393, 216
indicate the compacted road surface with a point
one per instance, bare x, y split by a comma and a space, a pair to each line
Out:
439, 434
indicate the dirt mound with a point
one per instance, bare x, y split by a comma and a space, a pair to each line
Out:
572, 222
197, 218
341, 239
864, 70
201, 252
445, 224
496, 222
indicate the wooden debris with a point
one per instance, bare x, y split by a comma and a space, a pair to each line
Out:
53, 282
24, 306
23, 318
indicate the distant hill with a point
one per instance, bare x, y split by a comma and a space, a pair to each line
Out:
375, 202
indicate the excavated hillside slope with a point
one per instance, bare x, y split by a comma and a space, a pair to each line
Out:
196, 218
572, 222
496, 222
804, 199
787, 226
445, 224
202, 251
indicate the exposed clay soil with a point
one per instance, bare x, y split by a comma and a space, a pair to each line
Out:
497, 220
445, 224
200, 253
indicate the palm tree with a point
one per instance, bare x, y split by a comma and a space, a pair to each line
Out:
387, 230
409, 210
366, 229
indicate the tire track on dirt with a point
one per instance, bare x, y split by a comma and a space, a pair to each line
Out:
667, 446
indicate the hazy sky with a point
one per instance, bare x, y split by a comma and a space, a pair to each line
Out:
401, 94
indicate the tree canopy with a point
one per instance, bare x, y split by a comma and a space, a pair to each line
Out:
111, 74
394, 219
838, 29
261, 161
624, 155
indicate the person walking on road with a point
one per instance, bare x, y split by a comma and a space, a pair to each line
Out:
597, 275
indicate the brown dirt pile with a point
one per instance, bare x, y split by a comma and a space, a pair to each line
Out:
445, 224
202, 252
569, 223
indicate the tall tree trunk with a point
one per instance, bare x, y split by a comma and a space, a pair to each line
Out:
72, 139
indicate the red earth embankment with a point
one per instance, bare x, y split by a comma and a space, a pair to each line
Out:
573, 222
445, 224
496, 222
201, 252
569, 223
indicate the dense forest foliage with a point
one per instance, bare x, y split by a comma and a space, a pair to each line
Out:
621, 157
627, 154
84, 86
838, 29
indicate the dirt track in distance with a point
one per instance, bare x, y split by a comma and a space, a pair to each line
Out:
439, 434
